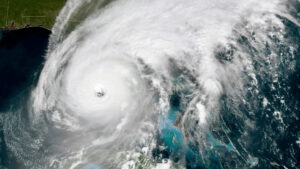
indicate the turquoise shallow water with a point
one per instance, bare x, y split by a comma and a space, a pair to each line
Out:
177, 147
257, 129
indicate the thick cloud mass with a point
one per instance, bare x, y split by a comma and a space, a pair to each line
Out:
120, 74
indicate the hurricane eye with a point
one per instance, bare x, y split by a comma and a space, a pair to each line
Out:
99, 92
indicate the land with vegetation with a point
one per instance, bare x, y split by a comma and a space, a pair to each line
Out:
21, 13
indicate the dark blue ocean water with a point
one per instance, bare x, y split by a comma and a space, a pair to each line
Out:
21, 60
272, 142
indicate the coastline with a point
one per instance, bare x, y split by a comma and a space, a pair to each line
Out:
4, 29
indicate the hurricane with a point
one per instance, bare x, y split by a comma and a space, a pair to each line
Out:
160, 84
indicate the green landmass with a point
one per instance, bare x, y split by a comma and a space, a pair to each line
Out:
21, 13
